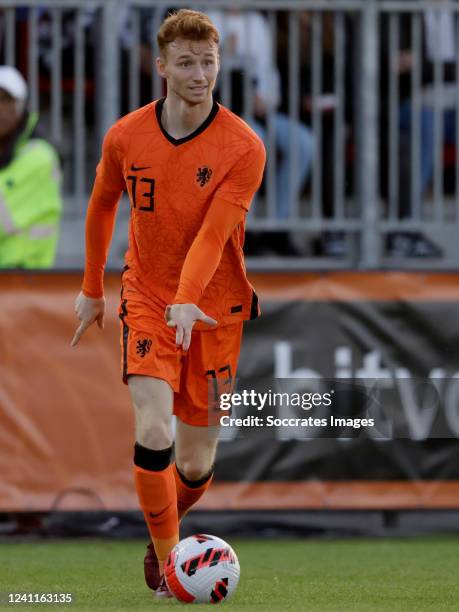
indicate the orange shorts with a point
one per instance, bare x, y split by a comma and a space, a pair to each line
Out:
197, 376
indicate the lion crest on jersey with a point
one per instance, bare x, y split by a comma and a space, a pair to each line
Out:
203, 175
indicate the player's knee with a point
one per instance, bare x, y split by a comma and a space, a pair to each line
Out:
195, 460
153, 416
155, 436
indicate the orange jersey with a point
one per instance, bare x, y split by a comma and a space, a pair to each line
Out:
189, 199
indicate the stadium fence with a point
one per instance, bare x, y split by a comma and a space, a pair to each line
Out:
83, 60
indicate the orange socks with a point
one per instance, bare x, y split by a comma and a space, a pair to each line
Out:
165, 496
156, 490
188, 492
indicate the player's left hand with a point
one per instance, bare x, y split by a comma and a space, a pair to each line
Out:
183, 317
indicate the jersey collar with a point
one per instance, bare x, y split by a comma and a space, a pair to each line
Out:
199, 130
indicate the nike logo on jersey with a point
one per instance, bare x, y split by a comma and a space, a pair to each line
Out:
136, 169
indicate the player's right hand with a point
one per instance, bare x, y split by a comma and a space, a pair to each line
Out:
88, 310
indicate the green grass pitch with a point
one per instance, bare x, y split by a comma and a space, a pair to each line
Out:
316, 575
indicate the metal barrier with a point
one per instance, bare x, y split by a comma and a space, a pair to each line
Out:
341, 162
420, 167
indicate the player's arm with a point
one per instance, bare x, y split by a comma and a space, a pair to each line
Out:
228, 209
100, 222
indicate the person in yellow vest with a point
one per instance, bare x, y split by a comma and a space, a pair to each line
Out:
30, 199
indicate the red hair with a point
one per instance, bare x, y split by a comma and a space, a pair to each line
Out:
191, 25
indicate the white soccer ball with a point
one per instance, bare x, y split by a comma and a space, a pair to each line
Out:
202, 569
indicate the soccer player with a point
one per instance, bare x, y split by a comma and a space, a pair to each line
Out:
191, 169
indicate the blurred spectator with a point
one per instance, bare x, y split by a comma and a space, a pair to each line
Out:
327, 102
247, 46
88, 20
19, 34
439, 45
147, 33
30, 202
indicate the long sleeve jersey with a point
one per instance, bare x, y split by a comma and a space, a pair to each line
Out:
189, 198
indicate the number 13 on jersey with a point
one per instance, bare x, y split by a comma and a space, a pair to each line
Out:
147, 196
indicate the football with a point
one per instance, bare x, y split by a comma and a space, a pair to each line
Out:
202, 569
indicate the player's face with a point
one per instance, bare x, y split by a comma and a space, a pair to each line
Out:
191, 69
